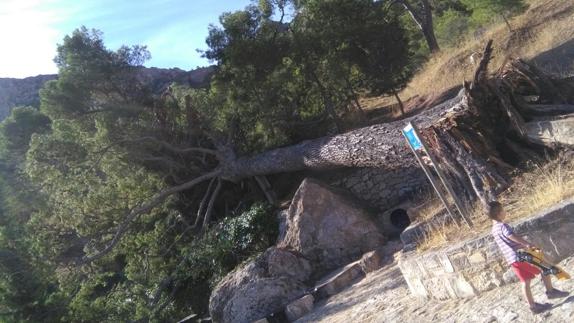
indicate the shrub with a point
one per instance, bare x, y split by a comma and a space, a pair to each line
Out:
220, 250
451, 27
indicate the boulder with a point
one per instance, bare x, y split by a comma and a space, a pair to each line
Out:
328, 228
299, 308
260, 288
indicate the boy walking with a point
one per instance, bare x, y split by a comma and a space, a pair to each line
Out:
509, 243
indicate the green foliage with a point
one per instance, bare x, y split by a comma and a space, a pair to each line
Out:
354, 39
451, 27
488, 11
17, 129
28, 291
274, 74
220, 250
234, 240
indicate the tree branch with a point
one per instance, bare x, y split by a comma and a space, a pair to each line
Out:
144, 208
482, 69
203, 203
211, 205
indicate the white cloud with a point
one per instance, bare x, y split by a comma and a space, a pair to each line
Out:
28, 37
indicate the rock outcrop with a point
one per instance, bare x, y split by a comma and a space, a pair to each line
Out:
24, 92
260, 288
21, 92
327, 228
323, 230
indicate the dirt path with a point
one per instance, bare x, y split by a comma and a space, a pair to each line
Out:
383, 296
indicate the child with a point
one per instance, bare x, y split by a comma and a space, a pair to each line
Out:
509, 243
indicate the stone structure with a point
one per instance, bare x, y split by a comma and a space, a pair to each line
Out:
381, 188
419, 229
474, 266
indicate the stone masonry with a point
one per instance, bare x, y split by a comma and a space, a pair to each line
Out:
382, 188
475, 266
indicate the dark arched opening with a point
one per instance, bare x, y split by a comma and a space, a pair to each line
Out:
400, 219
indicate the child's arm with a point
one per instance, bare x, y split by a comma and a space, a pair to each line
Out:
518, 239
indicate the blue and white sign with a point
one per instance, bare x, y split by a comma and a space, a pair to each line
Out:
411, 136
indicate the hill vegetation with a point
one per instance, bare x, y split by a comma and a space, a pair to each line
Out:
115, 200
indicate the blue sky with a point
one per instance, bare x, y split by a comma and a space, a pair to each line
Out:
172, 29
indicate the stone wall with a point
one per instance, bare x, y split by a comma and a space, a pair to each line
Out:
381, 188
474, 266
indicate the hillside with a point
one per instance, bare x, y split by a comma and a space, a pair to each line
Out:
24, 92
543, 34
20, 92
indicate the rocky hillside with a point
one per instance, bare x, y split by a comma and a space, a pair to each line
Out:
17, 92
24, 92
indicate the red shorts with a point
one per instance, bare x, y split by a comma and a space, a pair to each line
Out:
524, 270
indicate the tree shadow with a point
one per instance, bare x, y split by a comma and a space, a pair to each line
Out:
570, 299
558, 60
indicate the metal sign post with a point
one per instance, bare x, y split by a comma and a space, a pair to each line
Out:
415, 144
411, 134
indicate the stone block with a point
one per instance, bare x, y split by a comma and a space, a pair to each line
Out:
492, 252
261, 321
438, 287
446, 264
421, 267
417, 288
449, 288
485, 281
299, 308
432, 263
459, 261
477, 258
339, 280
462, 287
509, 277
372, 261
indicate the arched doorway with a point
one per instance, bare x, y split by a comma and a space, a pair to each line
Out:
400, 219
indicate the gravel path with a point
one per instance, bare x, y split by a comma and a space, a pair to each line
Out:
383, 296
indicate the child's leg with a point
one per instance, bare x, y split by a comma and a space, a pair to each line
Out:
547, 282
527, 292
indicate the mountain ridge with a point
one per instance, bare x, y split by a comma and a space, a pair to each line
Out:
25, 91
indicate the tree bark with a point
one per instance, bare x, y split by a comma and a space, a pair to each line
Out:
380, 145
400, 102
424, 21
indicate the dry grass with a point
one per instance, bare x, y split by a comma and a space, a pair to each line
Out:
533, 191
545, 25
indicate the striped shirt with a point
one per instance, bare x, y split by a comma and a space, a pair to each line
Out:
501, 231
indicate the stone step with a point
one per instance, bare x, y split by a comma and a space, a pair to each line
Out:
335, 282
299, 308
339, 280
372, 261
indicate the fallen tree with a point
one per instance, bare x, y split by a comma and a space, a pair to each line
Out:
479, 136
496, 128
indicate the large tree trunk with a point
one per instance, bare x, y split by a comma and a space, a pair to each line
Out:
380, 145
